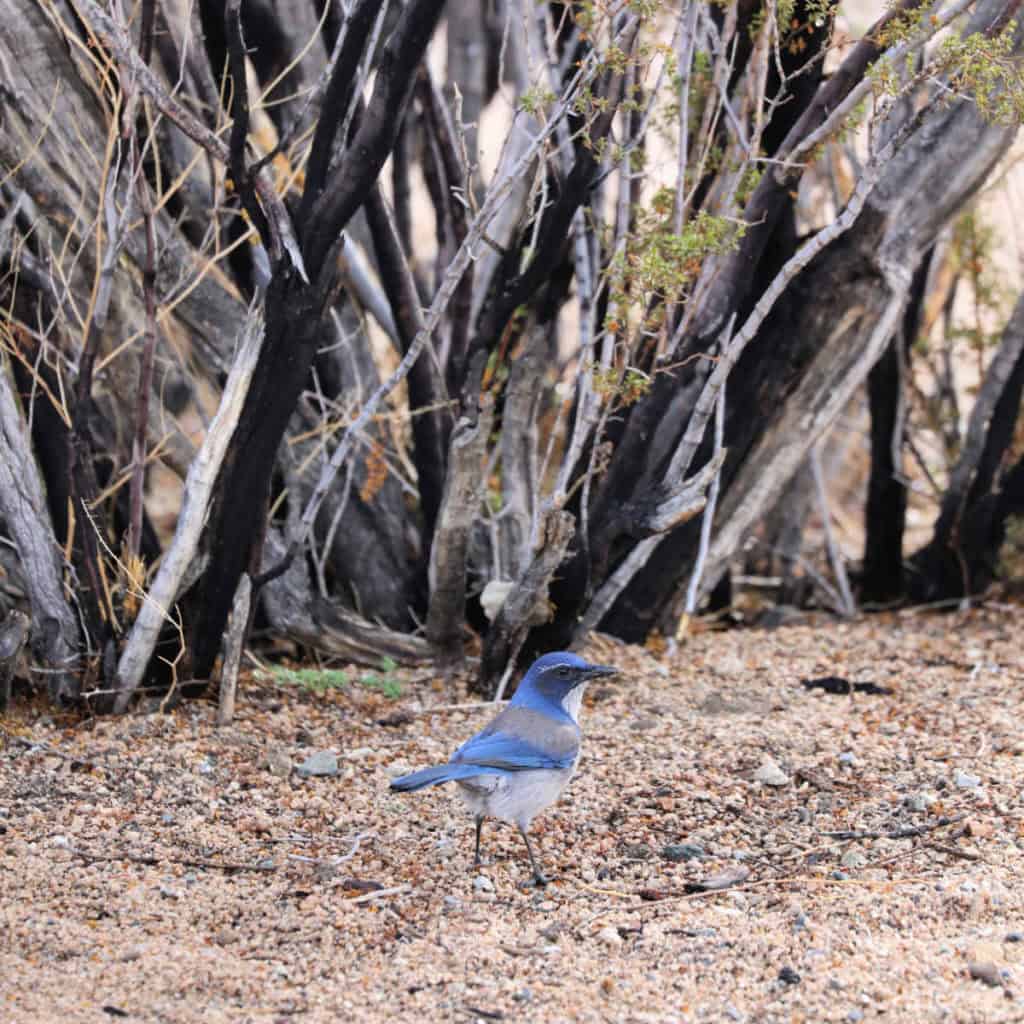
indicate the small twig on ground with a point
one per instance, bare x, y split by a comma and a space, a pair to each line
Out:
152, 859
378, 894
908, 832
953, 851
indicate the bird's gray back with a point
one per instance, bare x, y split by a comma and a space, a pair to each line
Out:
557, 739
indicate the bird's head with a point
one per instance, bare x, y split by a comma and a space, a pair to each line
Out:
558, 679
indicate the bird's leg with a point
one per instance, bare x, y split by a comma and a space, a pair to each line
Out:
539, 878
476, 854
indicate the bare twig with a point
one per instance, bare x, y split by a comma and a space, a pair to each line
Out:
153, 859
693, 589
466, 252
202, 475
905, 832
116, 37
848, 606
233, 644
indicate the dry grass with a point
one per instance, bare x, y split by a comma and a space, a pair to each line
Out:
111, 830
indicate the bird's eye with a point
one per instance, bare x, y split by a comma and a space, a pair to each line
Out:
564, 672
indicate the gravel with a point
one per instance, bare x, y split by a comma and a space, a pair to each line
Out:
322, 763
253, 926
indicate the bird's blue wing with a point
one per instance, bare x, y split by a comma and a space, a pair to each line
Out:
509, 753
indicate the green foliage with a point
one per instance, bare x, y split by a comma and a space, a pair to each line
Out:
384, 681
978, 65
752, 174
314, 680
323, 680
972, 265
664, 263
792, 30
533, 101
985, 68
628, 385
974, 258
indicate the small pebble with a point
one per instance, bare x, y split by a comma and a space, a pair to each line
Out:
986, 972
638, 851
853, 858
919, 802
965, 780
483, 884
733, 1013
847, 759
855, 1016
609, 936
678, 853
279, 764
1013, 937
643, 724
322, 763
770, 774
788, 976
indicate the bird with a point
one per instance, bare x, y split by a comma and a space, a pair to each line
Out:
519, 764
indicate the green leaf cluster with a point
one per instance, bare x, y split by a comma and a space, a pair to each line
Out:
323, 680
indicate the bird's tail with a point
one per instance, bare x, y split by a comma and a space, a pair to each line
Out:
438, 774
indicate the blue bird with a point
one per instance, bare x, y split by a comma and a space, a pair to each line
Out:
523, 760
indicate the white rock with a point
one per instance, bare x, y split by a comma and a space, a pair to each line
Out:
770, 774
609, 936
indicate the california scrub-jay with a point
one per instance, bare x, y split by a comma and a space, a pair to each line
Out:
523, 760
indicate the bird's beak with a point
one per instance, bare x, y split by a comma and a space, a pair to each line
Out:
596, 671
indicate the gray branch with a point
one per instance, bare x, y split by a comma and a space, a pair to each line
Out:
24, 510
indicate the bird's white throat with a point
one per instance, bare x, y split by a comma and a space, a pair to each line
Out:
572, 701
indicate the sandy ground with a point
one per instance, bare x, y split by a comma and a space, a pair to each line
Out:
157, 869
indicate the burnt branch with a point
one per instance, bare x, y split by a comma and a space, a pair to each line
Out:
239, 111
347, 187
337, 101
428, 399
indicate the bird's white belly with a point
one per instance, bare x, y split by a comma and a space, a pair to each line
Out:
517, 797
